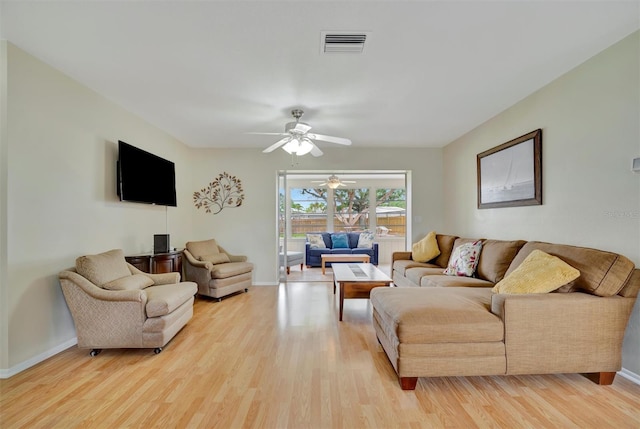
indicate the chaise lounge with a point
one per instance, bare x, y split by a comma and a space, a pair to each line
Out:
436, 325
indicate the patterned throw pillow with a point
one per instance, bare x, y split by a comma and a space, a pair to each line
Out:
316, 241
340, 241
365, 241
464, 260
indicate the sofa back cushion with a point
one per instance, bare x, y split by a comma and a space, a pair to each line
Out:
445, 244
602, 273
202, 248
104, 267
495, 258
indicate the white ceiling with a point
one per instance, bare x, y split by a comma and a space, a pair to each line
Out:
209, 72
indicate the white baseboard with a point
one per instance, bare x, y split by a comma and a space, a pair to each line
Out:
631, 376
6, 373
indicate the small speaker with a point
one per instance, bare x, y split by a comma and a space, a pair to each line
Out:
161, 243
635, 165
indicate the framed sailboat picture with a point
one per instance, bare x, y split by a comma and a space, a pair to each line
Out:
510, 175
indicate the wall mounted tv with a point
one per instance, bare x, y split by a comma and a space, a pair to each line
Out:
144, 177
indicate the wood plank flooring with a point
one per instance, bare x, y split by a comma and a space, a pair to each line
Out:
277, 357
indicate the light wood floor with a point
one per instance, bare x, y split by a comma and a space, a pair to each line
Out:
277, 357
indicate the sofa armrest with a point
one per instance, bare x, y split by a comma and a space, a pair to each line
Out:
158, 279
192, 261
233, 258
400, 256
69, 279
562, 332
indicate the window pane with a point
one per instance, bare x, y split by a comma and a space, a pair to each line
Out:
351, 209
308, 211
391, 211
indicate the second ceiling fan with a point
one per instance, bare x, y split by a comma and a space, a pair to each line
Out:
332, 182
298, 140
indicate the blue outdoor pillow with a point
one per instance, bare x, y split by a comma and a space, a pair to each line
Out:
340, 241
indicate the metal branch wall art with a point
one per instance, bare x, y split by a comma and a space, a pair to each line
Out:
224, 191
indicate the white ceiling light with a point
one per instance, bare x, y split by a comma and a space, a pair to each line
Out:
298, 147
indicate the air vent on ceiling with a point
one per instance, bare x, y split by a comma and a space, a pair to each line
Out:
343, 42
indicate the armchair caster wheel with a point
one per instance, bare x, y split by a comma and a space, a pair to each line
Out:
157, 350
218, 299
94, 352
246, 289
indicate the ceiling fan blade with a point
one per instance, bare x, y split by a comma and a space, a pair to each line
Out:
302, 128
330, 139
269, 134
276, 145
316, 151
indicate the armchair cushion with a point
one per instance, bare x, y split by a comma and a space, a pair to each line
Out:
130, 282
215, 258
163, 299
104, 267
222, 271
201, 248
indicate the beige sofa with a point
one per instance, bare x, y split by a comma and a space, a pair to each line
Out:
115, 305
435, 325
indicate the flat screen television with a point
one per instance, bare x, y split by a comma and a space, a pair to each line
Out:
144, 177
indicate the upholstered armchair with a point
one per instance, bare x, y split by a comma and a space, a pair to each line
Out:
115, 305
217, 272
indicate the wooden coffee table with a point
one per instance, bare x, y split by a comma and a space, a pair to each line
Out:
357, 280
343, 257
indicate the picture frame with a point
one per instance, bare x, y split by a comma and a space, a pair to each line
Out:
510, 175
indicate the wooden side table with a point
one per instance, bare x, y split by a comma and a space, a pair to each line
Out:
157, 263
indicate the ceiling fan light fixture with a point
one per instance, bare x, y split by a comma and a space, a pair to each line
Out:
298, 147
333, 185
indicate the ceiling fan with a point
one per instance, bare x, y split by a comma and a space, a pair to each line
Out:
332, 182
298, 140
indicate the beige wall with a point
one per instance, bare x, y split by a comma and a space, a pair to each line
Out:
61, 147
4, 301
251, 228
61, 200
590, 119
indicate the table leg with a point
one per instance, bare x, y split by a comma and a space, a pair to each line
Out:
341, 300
323, 262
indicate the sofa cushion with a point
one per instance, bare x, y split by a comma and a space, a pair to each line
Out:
415, 274
130, 282
365, 240
222, 271
402, 265
464, 259
215, 258
316, 241
453, 281
438, 315
339, 241
201, 248
602, 273
425, 249
445, 244
495, 258
163, 299
104, 267
538, 273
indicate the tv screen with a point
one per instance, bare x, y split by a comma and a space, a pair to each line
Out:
144, 177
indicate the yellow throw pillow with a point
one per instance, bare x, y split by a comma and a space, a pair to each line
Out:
538, 273
425, 249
